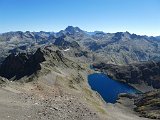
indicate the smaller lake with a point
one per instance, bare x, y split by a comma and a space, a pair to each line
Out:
108, 88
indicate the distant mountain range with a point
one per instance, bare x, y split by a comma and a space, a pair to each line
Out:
117, 48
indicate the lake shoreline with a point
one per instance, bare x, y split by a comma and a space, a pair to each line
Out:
113, 88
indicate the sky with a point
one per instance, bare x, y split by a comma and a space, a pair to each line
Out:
135, 16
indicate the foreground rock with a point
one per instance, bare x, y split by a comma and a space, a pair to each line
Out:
58, 90
22, 64
148, 105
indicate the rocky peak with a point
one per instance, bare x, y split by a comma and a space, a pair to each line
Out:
99, 33
127, 35
73, 30
39, 56
62, 43
134, 36
29, 34
21, 65
60, 55
118, 36
9, 35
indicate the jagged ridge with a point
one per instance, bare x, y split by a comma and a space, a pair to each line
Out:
24, 64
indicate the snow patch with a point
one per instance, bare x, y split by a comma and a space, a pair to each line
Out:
66, 49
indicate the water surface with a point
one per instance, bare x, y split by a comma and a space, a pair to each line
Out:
108, 88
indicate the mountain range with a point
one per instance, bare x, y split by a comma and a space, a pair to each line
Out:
116, 48
44, 75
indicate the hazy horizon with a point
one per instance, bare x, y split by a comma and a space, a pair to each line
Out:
81, 29
110, 16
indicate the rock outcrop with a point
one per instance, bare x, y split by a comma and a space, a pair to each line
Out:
24, 64
148, 105
63, 44
21, 65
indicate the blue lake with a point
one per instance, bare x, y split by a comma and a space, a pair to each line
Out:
108, 88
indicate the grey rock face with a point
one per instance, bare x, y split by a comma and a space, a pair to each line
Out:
63, 44
21, 65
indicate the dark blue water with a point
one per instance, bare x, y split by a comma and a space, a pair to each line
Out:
108, 88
